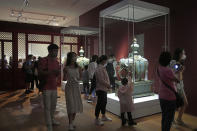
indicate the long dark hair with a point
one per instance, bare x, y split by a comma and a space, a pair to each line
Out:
102, 58
70, 56
164, 58
94, 58
177, 54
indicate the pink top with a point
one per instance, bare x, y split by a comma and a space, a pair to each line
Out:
167, 75
52, 65
125, 97
102, 78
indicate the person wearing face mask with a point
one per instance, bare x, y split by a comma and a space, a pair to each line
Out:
178, 67
102, 86
72, 73
49, 69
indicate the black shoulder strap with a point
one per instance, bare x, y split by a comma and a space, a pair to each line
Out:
169, 87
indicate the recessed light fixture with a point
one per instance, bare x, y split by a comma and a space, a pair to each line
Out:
38, 18
12, 13
19, 14
55, 24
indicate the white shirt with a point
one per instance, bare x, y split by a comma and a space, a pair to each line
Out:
91, 69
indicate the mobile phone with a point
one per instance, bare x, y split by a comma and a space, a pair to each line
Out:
177, 67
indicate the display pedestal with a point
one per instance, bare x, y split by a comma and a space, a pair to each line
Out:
142, 89
144, 106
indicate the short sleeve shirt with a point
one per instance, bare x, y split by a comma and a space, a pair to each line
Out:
50, 64
167, 75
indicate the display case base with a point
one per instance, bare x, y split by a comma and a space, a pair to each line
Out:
144, 106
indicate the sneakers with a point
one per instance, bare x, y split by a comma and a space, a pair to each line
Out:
55, 123
174, 125
49, 128
106, 118
131, 123
124, 122
90, 101
180, 122
98, 122
71, 128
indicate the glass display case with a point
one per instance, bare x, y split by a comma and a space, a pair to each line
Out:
85, 36
85, 40
135, 32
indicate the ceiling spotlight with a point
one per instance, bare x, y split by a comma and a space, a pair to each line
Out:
18, 18
12, 13
55, 24
54, 18
19, 14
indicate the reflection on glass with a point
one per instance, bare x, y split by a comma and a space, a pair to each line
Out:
135, 32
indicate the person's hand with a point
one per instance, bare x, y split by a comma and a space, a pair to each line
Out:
182, 68
129, 79
129, 74
108, 86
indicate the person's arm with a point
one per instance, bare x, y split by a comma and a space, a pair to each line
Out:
80, 73
57, 71
90, 70
130, 84
171, 75
99, 78
119, 93
65, 74
88, 76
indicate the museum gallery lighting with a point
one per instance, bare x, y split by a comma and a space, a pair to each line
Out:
35, 17
23, 16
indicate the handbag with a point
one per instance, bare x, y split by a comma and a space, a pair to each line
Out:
179, 99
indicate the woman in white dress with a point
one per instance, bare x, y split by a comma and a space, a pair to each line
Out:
72, 73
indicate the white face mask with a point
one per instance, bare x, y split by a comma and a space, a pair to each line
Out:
110, 60
183, 57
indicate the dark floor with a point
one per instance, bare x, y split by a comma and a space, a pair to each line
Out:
20, 112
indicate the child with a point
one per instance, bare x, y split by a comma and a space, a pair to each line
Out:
126, 101
85, 78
